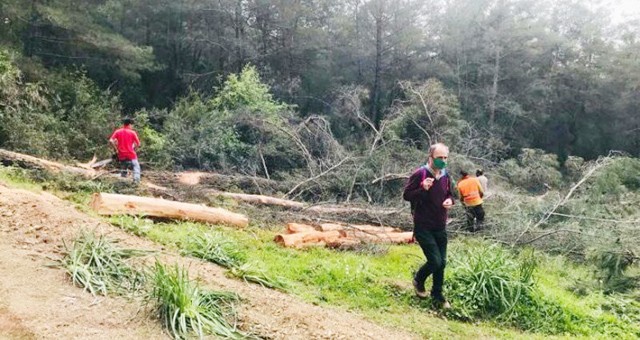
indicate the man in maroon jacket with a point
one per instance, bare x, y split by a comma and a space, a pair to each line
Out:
125, 141
430, 190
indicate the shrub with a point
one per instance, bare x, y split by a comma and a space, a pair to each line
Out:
488, 283
534, 170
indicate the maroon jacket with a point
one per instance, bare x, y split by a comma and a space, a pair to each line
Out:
426, 206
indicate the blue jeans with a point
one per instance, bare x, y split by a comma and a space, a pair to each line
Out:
136, 169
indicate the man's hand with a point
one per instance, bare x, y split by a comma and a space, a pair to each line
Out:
448, 203
427, 183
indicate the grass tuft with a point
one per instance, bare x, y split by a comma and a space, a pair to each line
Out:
214, 247
184, 308
96, 265
249, 274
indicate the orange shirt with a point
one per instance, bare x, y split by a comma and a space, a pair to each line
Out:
470, 189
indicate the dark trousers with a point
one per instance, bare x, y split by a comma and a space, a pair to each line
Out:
434, 247
475, 217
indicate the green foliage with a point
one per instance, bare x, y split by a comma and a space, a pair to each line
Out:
215, 248
96, 265
489, 283
154, 150
248, 273
184, 308
246, 92
613, 264
239, 128
430, 114
64, 115
200, 136
534, 170
486, 283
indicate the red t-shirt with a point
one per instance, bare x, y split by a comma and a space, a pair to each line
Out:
126, 138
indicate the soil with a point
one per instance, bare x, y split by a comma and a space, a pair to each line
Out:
38, 301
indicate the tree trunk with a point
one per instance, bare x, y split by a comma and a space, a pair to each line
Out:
261, 199
375, 92
493, 97
114, 204
14, 158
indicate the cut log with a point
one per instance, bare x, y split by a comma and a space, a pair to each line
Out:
293, 228
114, 204
15, 158
321, 209
261, 199
360, 227
309, 238
331, 226
398, 238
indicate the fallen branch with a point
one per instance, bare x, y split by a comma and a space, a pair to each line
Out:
316, 176
390, 177
562, 201
597, 219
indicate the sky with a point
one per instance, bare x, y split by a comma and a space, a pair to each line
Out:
624, 8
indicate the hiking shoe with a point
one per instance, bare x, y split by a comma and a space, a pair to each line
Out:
421, 293
441, 302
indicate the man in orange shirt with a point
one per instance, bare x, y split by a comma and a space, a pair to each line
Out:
125, 140
471, 194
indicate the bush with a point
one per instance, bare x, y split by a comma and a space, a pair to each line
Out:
63, 115
488, 283
534, 170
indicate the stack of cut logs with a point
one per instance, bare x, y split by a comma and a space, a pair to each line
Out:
336, 235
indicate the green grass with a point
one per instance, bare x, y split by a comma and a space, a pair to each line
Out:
18, 178
378, 286
184, 308
70, 187
96, 265
563, 298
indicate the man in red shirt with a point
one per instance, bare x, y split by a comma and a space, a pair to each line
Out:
125, 141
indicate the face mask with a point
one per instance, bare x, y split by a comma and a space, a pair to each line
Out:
439, 163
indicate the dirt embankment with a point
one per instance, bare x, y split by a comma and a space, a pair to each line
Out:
38, 302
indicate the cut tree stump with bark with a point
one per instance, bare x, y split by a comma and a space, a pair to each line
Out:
114, 204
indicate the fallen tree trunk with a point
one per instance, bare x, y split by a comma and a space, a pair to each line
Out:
14, 158
398, 238
261, 199
308, 238
114, 204
359, 227
347, 210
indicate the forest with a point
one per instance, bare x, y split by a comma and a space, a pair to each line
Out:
337, 102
